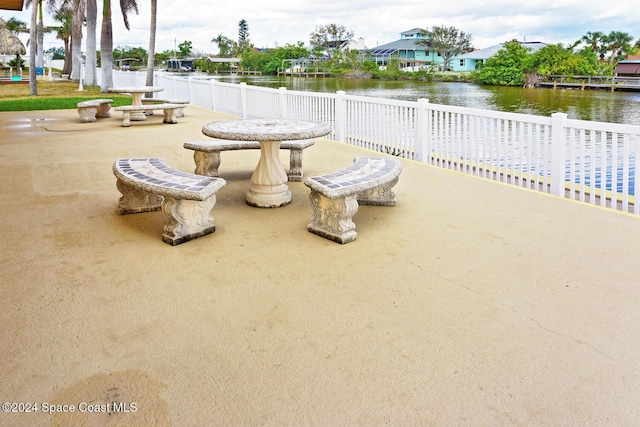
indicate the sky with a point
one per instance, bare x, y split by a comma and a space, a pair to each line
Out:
277, 23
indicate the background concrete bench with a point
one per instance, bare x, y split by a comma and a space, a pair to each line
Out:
335, 197
187, 199
151, 101
170, 111
92, 108
207, 154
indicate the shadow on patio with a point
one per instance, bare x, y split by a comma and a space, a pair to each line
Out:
469, 303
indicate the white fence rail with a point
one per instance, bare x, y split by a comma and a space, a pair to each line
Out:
588, 161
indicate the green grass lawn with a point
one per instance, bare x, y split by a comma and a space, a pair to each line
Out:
54, 103
56, 95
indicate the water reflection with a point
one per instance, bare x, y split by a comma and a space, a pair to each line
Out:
594, 105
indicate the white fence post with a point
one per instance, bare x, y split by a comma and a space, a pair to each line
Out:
173, 87
243, 100
422, 134
341, 116
214, 104
282, 101
558, 153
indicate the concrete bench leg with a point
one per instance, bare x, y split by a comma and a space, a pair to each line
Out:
207, 163
380, 196
87, 114
189, 219
134, 200
333, 218
103, 111
170, 116
126, 118
295, 165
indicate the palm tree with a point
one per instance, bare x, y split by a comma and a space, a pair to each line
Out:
152, 43
106, 39
40, 30
618, 42
593, 39
225, 45
64, 15
81, 10
16, 26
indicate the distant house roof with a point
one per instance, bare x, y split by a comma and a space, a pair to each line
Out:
628, 67
402, 44
414, 33
492, 50
408, 41
224, 60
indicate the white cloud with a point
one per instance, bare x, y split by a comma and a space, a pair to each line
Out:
377, 21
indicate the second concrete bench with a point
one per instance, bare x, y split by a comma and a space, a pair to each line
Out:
207, 154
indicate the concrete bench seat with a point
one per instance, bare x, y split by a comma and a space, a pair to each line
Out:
170, 112
151, 101
335, 197
94, 108
148, 184
207, 154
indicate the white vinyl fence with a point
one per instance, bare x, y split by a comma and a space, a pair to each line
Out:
588, 161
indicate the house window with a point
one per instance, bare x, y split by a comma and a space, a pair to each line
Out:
462, 62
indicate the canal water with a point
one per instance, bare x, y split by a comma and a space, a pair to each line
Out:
593, 105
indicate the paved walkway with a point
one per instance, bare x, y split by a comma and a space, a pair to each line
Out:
469, 303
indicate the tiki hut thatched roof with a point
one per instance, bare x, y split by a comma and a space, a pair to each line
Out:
9, 43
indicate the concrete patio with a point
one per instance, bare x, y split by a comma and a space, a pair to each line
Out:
470, 303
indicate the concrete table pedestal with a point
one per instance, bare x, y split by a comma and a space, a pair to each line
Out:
269, 180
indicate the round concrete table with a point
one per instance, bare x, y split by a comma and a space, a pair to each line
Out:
268, 183
136, 93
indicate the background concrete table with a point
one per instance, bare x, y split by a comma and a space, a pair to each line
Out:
136, 92
268, 182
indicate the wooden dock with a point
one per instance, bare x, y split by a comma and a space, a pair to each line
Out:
611, 83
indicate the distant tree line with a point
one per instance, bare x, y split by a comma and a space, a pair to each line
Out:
516, 65
595, 53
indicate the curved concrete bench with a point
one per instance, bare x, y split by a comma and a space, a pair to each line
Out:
92, 108
151, 101
207, 154
170, 112
335, 197
187, 199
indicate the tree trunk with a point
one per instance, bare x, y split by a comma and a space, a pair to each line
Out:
33, 86
92, 19
152, 44
66, 69
76, 42
533, 80
40, 46
106, 48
